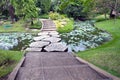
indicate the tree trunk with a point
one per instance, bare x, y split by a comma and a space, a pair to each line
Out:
111, 14
105, 16
12, 13
32, 21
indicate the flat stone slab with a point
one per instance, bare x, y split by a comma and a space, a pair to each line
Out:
43, 33
56, 47
33, 49
39, 44
60, 73
41, 37
53, 32
52, 39
55, 35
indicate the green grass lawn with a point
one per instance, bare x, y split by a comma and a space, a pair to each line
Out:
20, 26
8, 60
106, 56
16, 27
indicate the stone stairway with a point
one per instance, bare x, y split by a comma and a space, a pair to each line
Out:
55, 66
46, 59
48, 25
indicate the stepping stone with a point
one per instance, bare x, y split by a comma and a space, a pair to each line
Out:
49, 30
52, 39
39, 44
53, 32
33, 49
41, 37
43, 33
55, 35
56, 47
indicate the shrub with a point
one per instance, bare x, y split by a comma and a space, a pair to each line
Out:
64, 25
75, 11
36, 25
55, 16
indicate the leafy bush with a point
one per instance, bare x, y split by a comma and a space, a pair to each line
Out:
36, 25
44, 16
64, 25
75, 11
55, 16
44, 5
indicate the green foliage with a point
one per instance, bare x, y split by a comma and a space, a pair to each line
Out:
75, 11
37, 25
77, 8
55, 16
26, 8
64, 25
8, 60
44, 16
55, 5
106, 56
44, 5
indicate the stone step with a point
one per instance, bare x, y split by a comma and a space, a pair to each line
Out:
60, 73
48, 29
39, 44
50, 62
49, 54
52, 39
55, 47
34, 49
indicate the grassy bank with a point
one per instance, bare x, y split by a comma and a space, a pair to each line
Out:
16, 27
8, 60
19, 26
106, 56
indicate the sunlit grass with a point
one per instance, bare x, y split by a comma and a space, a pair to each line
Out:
8, 60
15, 27
106, 56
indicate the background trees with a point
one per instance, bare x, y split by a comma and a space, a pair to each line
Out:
108, 7
78, 9
44, 5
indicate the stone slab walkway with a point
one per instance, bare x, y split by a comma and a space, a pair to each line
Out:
55, 66
46, 59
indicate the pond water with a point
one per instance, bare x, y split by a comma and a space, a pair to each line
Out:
84, 36
15, 41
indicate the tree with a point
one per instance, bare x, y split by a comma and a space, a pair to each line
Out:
55, 5
6, 8
77, 8
26, 8
107, 6
44, 5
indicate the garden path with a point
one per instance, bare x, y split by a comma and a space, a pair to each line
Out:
52, 62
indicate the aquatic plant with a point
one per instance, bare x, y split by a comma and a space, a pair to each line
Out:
14, 40
85, 36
